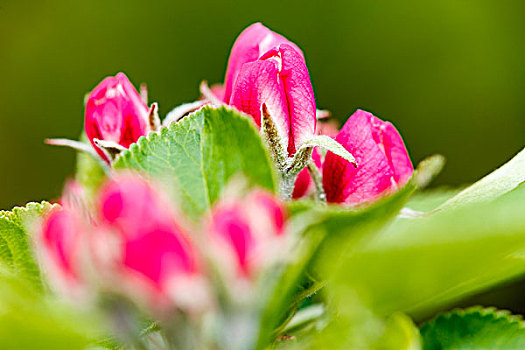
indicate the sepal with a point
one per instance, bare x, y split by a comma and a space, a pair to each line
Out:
110, 149
153, 117
181, 111
273, 140
80, 147
328, 144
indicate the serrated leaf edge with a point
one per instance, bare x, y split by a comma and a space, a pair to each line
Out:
17, 211
482, 311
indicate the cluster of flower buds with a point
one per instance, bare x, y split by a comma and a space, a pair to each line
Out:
135, 243
267, 78
130, 240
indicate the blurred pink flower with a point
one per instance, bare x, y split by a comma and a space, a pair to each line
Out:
115, 112
143, 246
384, 163
58, 243
244, 231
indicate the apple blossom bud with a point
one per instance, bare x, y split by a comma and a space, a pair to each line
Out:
280, 81
383, 160
246, 233
116, 113
142, 246
58, 245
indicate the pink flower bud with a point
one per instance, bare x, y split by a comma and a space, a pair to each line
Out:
280, 80
246, 233
115, 112
266, 68
58, 245
251, 44
383, 160
143, 247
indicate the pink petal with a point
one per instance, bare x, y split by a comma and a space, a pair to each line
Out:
270, 210
258, 82
395, 150
251, 44
230, 223
241, 230
158, 254
299, 94
152, 242
363, 136
58, 245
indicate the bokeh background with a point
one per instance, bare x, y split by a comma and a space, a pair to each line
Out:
450, 73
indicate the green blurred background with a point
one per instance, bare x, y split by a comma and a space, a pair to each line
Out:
450, 74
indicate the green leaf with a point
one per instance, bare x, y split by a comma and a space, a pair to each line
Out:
353, 326
330, 231
201, 153
429, 200
474, 329
497, 183
28, 320
400, 333
424, 264
346, 228
15, 241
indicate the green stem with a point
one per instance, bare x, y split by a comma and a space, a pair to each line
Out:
286, 185
318, 181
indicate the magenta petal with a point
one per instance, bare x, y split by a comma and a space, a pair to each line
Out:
395, 151
270, 210
375, 145
299, 95
241, 228
158, 254
152, 242
232, 226
58, 246
136, 113
251, 44
258, 82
